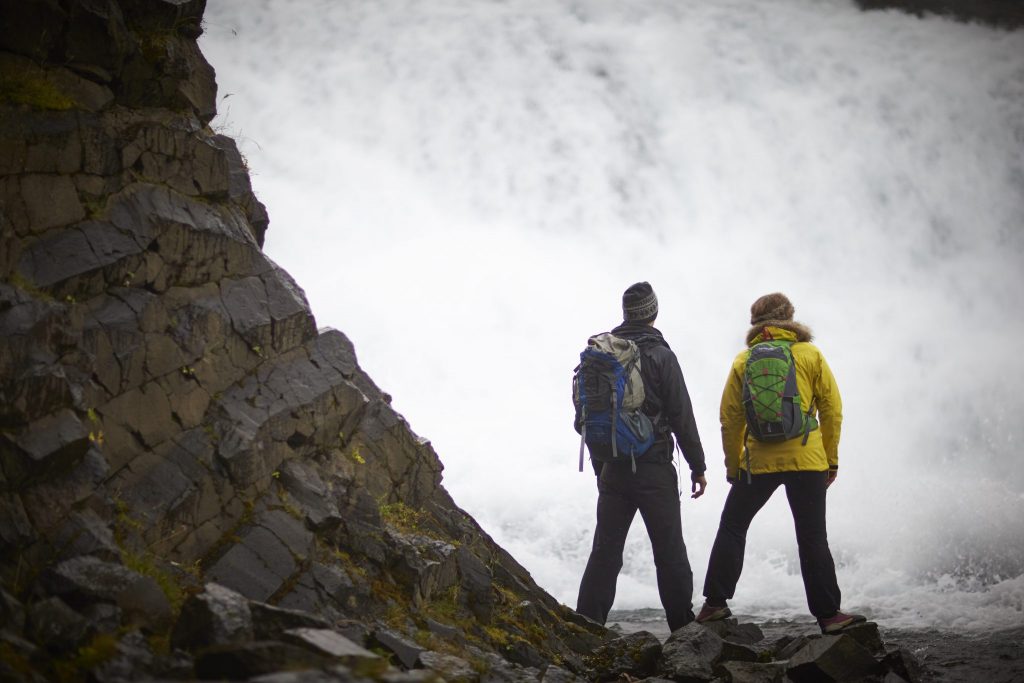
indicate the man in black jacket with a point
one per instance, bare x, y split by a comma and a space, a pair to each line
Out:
653, 489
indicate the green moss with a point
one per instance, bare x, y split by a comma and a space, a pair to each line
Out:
286, 502
496, 635
72, 669
31, 87
229, 537
146, 564
445, 608
23, 283
143, 562
290, 583
370, 668
401, 516
346, 560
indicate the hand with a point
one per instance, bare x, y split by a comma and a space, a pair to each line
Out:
697, 485
830, 478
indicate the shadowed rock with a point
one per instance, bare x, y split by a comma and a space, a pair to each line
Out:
52, 622
831, 658
635, 654
237, 661
329, 644
216, 616
751, 672
453, 669
690, 654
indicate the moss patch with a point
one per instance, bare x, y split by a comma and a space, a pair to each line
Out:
32, 87
402, 517
72, 669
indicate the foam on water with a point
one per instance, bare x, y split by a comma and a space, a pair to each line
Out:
466, 184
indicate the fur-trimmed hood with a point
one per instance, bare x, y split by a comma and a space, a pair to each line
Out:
802, 332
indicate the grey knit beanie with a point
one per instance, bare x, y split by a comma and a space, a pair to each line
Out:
775, 306
639, 303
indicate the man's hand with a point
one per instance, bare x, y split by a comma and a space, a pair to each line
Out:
830, 478
697, 485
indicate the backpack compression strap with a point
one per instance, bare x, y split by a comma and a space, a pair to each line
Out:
583, 435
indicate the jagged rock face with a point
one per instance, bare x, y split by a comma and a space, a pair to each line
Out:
171, 418
1008, 14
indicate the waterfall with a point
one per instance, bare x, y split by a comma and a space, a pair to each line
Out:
466, 187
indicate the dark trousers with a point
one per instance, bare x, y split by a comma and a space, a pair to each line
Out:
654, 491
806, 494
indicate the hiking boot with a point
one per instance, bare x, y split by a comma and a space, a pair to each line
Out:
713, 613
839, 621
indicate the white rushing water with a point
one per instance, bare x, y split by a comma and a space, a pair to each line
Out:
465, 187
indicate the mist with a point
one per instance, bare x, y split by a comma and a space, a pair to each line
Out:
465, 188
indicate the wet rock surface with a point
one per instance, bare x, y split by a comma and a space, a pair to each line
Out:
739, 652
901, 654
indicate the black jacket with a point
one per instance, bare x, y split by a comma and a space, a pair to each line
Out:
666, 401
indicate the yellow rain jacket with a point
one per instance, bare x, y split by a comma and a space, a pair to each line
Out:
815, 383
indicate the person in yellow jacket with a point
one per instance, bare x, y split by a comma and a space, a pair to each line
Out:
806, 465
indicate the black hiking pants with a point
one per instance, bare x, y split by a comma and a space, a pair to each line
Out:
806, 494
654, 491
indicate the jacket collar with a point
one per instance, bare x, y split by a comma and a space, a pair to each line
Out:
640, 333
782, 330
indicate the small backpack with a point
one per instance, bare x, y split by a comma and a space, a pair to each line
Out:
608, 391
771, 399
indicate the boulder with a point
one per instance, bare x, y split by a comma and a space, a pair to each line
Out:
406, 651
497, 669
56, 625
831, 658
269, 622
791, 646
12, 613
144, 604
902, 662
217, 616
54, 441
556, 674
690, 654
868, 636
635, 654
476, 580
133, 655
238, 661
85, 580
733, 631
86, 533
330, 644
451, 668
257, 566
751, 672
305, 487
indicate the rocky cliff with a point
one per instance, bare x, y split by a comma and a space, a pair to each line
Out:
1007, 14
194, 480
